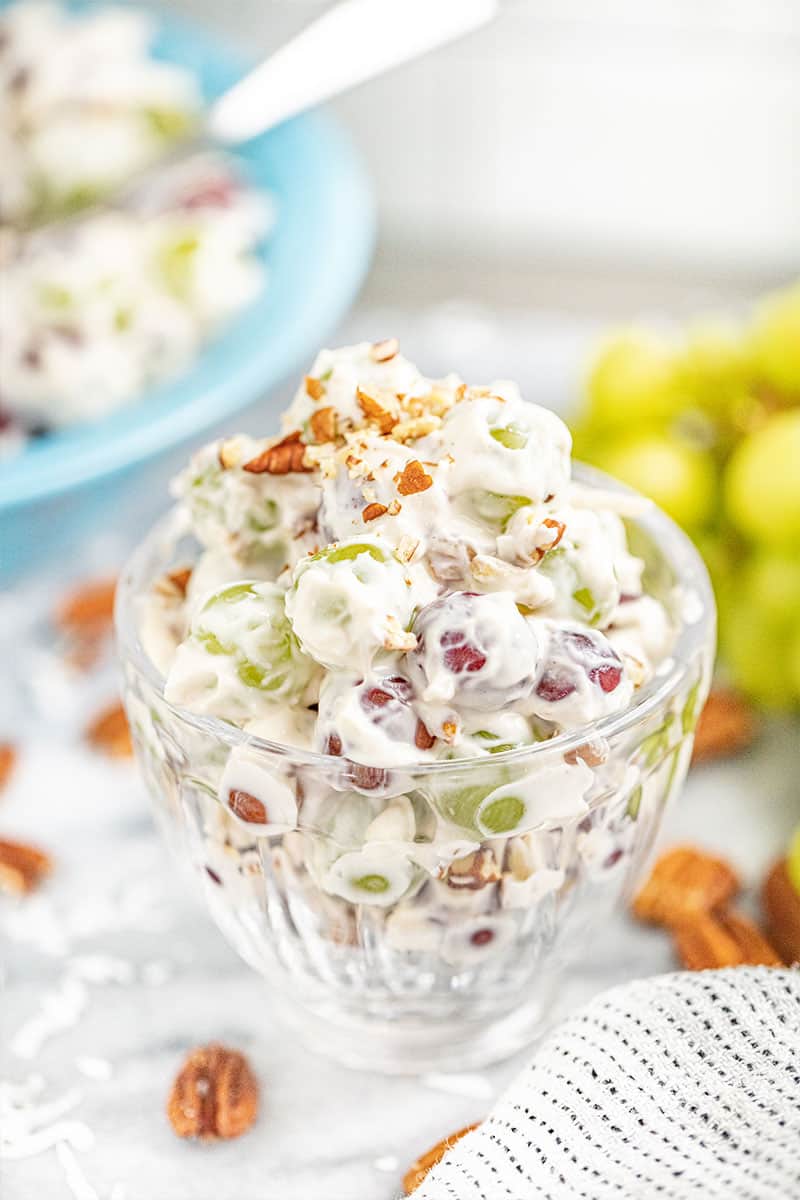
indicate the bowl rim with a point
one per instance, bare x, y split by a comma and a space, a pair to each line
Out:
175, 409
696, 634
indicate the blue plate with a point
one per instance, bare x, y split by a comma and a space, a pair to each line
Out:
63, 486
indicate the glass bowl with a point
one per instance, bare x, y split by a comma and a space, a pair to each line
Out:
384, 944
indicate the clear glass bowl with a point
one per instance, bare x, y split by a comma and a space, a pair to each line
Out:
455, 964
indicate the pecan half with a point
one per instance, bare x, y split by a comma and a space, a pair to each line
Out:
323, 424
283, 458
22, 867
412, 479
426, 1162
710, 941
727, 726
315, 388
685, 883
110, 732
780, 901
215, 1095
373, 511
375, 412
8, 758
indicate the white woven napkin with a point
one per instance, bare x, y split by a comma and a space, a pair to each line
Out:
676, 1087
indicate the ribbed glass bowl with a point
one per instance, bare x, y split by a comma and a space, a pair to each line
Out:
455, 965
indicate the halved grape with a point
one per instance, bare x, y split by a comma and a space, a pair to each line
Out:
378, 874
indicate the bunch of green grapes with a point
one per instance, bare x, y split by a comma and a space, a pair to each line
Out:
710, 428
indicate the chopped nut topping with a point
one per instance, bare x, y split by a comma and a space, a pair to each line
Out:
416, 427
407, 547
559, 529
592, 753
727, 726
173, 585
215, 1095
110, 732
8, 758
473, 871
449, 731
375, 412
22, 867
710, 941
373, 511
282, 458
323, 424
412, 479
426, 1162
229, 454
384, 351
396, 637
246, 807
394, 508
315, 388
684, 884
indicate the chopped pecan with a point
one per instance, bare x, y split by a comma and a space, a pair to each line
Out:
88, 607
416, 427
215, 1095
375, 412
246, 807
780, 901
727, 726
592, 753
22, 867
473, 871
173, 585
110, 732
711, 940
559, 527
315, 388
412, 479
384, 351
426, 1162
373, 511
323, 424
8, 758
282, 458
683, 884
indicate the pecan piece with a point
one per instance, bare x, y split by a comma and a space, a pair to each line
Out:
315, 388
173, 585
8, 758
375, 412
426, 1162
246, 807
684, 883
780, 901
592, 753
727, 725
709, 941
323, 424
282, 458
412, 479
88, 607
22, 867
473, 871
110, 732
384, 351
373, 511
215, 1095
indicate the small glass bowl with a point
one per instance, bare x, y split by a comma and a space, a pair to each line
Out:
451, 959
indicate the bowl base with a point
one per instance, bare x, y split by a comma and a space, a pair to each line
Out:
406, 1047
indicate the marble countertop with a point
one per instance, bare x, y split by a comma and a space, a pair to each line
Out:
112, 971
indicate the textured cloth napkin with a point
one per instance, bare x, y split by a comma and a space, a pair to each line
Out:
677, 1087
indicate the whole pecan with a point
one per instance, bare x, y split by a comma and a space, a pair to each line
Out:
283, 458
685, 883
110, 733
215, 1095
426, 1162
22, 867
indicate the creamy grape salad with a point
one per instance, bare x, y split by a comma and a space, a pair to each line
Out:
96, 312
406, 575
369, 666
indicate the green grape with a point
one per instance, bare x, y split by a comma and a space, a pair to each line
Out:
756, 657
762, 482
775, 340
770, 583
678, 478
633, 380
793, 861
793, 660
511, 437
715, 367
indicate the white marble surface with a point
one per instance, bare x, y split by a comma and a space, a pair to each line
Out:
115, 934
159, 978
